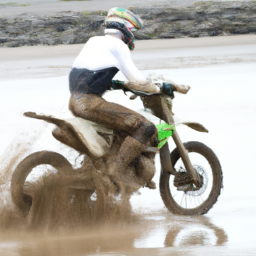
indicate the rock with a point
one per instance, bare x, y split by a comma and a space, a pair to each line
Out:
141, 36
13, 44
61, 28
167, 35
199, 20
3, 40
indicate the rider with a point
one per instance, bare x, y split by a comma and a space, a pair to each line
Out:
91, 75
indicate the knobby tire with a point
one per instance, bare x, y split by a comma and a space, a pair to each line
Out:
209, 155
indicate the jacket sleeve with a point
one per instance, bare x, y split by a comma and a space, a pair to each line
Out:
126, 65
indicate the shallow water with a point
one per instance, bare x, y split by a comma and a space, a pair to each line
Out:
159, 234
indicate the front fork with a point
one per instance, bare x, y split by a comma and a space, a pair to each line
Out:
185, 159
163, 109
166, 162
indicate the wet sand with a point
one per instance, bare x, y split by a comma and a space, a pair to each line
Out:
48, 7
53, 61
221, 73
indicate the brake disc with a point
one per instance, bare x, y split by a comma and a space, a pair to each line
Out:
183, 181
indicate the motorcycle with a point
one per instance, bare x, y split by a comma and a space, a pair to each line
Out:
190, 179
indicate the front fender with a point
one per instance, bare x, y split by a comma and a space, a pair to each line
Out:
196, 126
193, 125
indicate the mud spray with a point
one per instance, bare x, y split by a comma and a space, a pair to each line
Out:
42, 214
19, 147
53, 207
60, 220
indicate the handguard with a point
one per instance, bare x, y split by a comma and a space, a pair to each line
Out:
166, 88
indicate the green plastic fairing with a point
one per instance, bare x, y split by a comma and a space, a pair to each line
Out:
164, 132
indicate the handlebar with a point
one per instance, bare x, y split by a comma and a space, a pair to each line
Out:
124, 85
166, 88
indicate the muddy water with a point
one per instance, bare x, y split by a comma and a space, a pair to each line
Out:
222, 98
150, 234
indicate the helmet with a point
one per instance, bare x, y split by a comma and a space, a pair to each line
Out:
130, 19
124, 21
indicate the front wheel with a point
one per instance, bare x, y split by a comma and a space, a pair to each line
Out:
189, 200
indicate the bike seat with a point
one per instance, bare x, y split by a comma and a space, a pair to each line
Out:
87, 132
79, 134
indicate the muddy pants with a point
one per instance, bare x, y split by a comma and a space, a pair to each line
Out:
94, 108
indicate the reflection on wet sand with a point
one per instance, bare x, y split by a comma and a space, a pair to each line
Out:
196, 231
119, 239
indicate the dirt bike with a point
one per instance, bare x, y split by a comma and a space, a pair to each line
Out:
190, 180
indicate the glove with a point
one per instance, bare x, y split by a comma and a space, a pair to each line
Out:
167, 88
118, 85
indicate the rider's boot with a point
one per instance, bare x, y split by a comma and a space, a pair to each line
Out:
130, 149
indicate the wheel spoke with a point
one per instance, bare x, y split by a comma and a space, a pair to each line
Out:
182, 198
193, 198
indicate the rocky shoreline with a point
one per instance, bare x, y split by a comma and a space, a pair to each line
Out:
199, 20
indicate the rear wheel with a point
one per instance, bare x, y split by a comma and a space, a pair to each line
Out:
20, 199
187, 199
